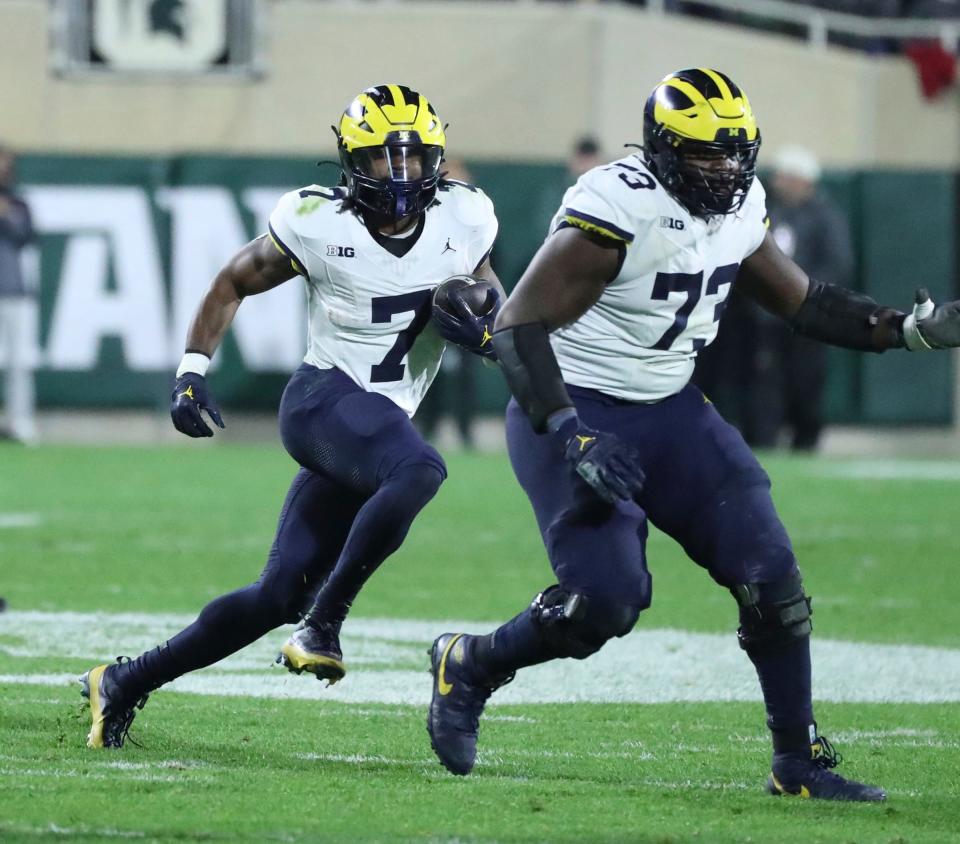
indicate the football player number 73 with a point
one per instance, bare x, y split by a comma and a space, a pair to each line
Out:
384, 309
691, 284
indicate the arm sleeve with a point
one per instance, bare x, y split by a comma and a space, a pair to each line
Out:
284, 234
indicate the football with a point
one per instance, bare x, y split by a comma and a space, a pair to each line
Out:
479, 295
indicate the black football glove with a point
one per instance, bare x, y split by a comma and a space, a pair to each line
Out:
931, 326
466, 329
190, 396
610, 465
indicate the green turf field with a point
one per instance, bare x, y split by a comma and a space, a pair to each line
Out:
659, 738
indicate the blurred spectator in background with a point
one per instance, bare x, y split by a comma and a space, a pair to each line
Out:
454, 391
762, 375
584, 156
16, 307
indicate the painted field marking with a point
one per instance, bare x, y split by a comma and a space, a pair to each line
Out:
887, 470
20, 520
387, 664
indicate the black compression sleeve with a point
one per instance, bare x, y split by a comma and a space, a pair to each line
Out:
843, 317
532, 371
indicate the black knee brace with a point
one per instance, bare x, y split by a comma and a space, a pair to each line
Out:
576, 625
772, 614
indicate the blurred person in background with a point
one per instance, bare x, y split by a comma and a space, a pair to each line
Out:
16, 307
791, 370
584, 157
760, 372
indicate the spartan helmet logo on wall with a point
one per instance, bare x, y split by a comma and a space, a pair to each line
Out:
159, 35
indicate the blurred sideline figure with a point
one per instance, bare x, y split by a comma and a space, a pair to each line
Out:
370, 251
454, 390
761, 372
606, 435
584, 157
16, 307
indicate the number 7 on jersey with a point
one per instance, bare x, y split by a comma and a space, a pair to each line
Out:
384, 308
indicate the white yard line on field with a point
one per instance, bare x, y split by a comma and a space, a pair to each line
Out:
387, 664
878, 469
19, 520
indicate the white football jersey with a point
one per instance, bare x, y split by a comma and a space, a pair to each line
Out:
368, 311
640, 340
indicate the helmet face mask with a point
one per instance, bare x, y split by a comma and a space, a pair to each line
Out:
391, 145
701, 140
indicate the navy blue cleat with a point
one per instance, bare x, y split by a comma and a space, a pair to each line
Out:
111, 714
803, 775
453, 721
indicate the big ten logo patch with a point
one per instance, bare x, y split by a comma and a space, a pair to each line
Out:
341, 251
671, 223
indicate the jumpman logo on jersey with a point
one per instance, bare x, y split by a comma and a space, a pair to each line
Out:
448, 248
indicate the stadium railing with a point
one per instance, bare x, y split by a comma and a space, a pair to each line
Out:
819, 23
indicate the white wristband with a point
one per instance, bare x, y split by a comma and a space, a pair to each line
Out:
195, 362
912, 337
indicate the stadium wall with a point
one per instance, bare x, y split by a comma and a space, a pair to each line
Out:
129, 244
515, 81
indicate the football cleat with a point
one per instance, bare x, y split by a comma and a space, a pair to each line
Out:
110, 714
453, 720
316, 650
810, 776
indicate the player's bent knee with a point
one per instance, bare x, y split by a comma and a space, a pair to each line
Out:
576, 625
772, 614
421, 473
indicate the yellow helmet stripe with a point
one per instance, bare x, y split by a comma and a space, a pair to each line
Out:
687, 88
721, 83
398, 99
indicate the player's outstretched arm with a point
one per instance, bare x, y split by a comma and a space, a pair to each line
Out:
565, 279
841, 316
257, 267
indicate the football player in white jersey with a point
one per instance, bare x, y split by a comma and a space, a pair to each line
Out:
606, 432
370, 252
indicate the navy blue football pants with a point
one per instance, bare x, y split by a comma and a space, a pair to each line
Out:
703, 487
365, 475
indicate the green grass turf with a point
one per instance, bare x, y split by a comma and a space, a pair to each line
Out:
159, 530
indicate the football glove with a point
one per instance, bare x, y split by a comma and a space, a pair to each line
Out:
931, 326
610, 465
190, 396
466, 329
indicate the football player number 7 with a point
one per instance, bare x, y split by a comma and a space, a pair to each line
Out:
391, 368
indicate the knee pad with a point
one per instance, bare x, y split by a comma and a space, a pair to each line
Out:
575, 625
772, 614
